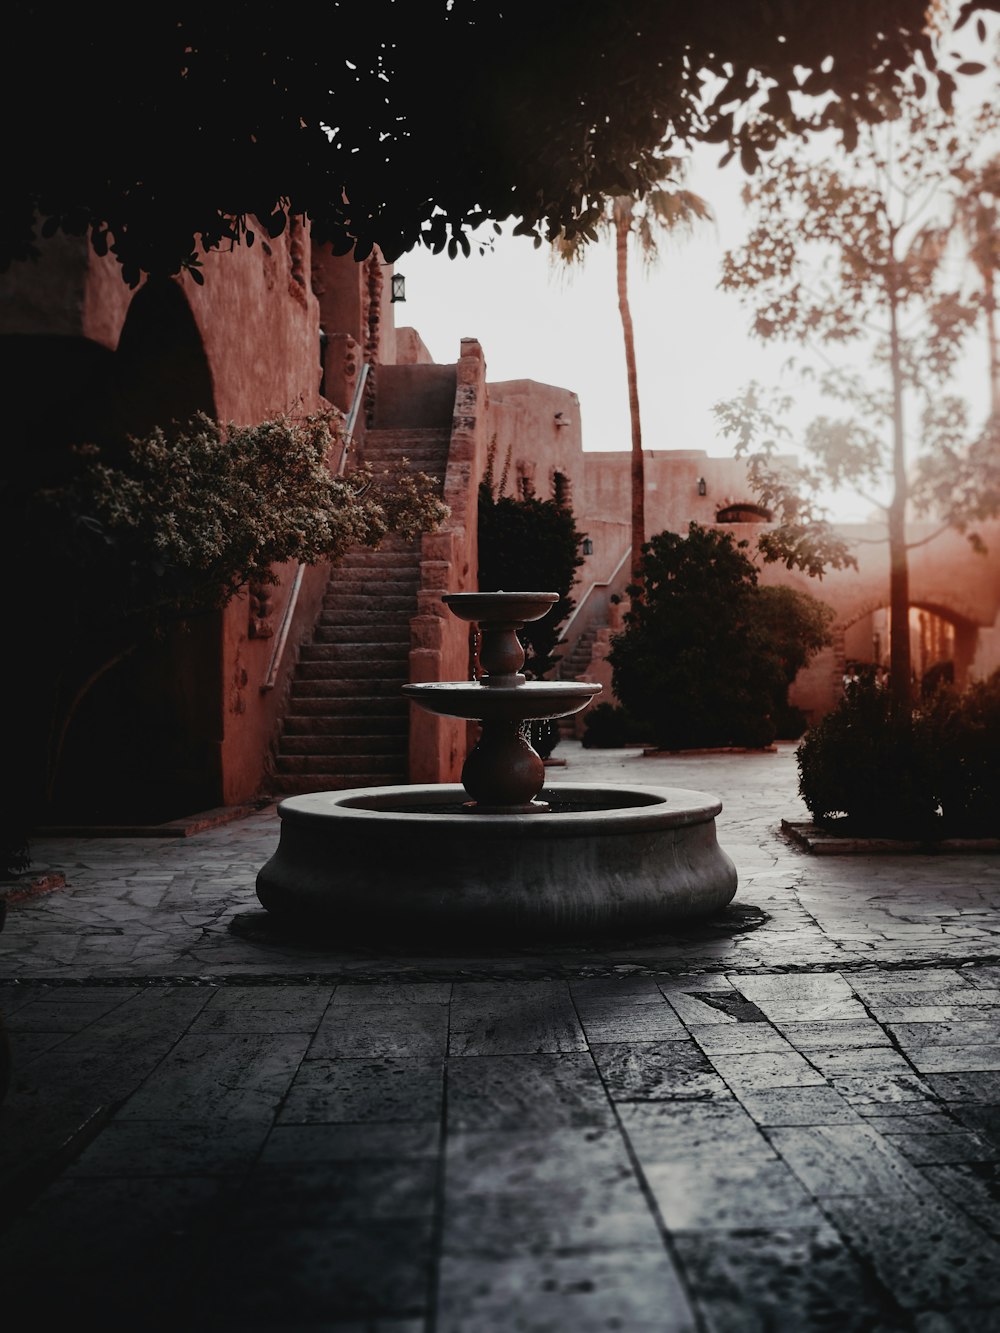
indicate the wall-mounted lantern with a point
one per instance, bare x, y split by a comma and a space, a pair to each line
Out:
398, 288
588, 546
561, 420
702, 486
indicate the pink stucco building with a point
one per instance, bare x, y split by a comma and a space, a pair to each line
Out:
293, 687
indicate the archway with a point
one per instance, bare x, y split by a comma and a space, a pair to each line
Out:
743, 511
143, 743
942, 643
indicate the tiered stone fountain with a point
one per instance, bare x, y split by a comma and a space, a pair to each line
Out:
501, 857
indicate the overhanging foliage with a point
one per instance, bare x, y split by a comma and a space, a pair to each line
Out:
390, 124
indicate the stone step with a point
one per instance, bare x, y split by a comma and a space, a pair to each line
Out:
298, 784
348, 724
330, 645
357, 606
367, 621
350, 671
344, 765
313, 706
408, 574
382, 559
362, 687
370, 587
334, 748
389, 447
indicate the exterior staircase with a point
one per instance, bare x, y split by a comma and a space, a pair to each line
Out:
571, 667
347, 721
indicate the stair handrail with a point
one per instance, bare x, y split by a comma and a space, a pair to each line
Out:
598, 583
346, 440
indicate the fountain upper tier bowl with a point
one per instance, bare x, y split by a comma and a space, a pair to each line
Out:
533, 701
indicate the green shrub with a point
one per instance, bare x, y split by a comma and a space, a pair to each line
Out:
790, 723
930, 774
528, 545
607, 727
706, 656
968, 745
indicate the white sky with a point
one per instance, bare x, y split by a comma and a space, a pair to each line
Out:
535, 322
692, 342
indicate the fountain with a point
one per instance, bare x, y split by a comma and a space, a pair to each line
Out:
499, 857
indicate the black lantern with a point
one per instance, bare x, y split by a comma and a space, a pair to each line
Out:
398, 288
702, 486
588, 546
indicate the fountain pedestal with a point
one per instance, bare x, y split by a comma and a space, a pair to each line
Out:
427, 864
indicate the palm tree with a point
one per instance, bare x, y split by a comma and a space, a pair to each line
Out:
978, 217
670, 209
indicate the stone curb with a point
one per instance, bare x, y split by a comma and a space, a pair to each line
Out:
814, 839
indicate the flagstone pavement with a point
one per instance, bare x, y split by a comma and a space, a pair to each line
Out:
786, 1117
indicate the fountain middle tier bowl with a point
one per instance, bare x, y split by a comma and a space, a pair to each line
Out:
412, 863
478, 702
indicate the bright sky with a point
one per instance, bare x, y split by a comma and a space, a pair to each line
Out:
536, 322
692, 341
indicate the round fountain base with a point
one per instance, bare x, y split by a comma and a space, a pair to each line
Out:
414, 862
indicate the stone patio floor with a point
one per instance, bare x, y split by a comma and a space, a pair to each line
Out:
785, 1118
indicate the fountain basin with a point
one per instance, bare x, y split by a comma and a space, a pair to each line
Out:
411, 862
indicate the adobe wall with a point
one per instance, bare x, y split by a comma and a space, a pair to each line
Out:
946, 576
273, 366
440, 646
253, 350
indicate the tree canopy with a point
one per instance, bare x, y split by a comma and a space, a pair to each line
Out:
392, 125
855, 248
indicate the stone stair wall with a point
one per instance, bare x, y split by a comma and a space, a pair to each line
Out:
383, 622
347, 721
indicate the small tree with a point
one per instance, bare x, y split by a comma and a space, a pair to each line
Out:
638, 224
851, 247
529, 545
698, 661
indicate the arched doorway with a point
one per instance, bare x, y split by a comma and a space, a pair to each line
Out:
942, 644
144, 740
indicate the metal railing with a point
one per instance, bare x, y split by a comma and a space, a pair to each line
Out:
597, 584
281, 638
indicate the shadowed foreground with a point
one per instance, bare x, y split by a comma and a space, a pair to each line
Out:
786, 1117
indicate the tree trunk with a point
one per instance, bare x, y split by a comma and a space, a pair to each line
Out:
991, 342
622, 229
899, 567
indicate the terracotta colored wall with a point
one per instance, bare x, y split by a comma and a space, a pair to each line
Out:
258, 321
271, 366
946, 576
439, 643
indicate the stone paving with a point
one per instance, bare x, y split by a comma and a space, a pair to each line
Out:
785, 1118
